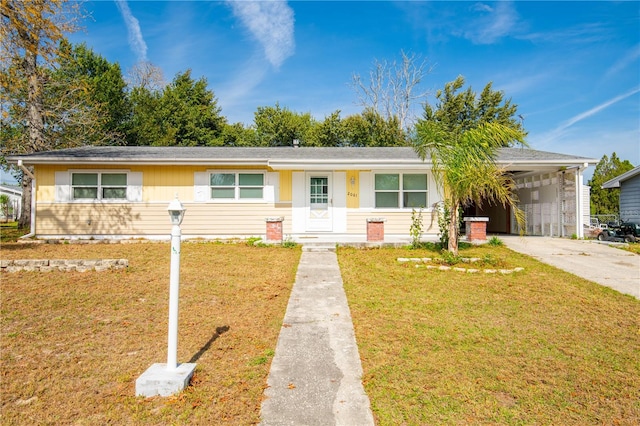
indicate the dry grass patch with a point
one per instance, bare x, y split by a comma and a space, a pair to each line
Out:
74, 343
537, 347
633, 247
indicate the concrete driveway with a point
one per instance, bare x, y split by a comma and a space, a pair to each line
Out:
597, 262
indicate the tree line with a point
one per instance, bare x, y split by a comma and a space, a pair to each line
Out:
86, 100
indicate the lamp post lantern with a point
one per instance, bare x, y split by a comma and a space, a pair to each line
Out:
170, 378
176, 213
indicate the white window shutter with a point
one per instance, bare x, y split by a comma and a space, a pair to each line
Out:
134, 186
201, 186
366, 190
63, 187
271, 186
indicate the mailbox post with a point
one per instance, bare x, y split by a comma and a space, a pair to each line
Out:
170, 378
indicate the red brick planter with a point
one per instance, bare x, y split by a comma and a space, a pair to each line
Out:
476, 228
274, 229
375, 229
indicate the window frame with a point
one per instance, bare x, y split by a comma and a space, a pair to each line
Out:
99, 186
400, 191
237, 186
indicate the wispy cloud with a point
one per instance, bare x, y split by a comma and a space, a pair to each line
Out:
271, 23
561, 129
632, 55
492, 23
235, 92
515, 82
136, 41
577, 118
579, 34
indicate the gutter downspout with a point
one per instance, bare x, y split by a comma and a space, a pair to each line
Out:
32, 232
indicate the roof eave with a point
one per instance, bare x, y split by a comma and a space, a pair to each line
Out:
137, 161
346, 164
547, 164
615, 182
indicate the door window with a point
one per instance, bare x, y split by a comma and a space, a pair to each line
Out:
319, 193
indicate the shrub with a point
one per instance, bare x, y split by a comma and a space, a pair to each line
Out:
416, 228
495, 241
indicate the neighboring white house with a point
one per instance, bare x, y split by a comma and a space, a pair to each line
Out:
15, 201
629, 184
123, 192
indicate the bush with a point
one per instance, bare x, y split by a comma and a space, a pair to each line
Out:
495, 241
416, 228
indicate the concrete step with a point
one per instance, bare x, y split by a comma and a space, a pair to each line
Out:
318, 247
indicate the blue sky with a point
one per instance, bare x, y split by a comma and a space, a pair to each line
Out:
573, 68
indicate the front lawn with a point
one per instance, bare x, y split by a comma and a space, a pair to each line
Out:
72, 344
539, 346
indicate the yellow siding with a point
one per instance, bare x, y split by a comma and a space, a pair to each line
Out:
353, 189
162, 183
159, 183
285, 185
46, 176
397, 223
45, 183
148, 219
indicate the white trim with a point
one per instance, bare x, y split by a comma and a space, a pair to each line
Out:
63, 187
298, 197
339, 206
134, 187
366, 191
271, 187
201, 187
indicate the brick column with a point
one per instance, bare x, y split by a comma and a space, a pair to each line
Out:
375, 229
476, 228
274, 229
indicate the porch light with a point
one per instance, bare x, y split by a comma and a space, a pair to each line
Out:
176, 211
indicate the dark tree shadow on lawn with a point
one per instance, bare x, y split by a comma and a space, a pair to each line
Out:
219, 331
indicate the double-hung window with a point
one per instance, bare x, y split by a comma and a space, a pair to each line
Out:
237, 186
400, 190
99, 186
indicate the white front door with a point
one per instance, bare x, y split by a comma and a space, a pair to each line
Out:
319, 216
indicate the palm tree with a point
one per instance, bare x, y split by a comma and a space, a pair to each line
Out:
464, 166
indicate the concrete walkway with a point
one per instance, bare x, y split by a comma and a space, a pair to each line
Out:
315, 376
591, 260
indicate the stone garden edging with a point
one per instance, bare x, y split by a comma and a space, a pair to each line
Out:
77, 265
419, 260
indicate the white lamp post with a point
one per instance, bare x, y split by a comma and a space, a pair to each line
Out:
176, 213
170, 378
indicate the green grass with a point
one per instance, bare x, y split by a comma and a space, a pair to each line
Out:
633, 247
535, 347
